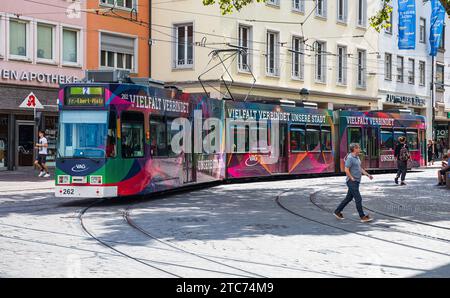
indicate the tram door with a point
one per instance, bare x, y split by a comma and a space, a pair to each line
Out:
372, 147
283, 160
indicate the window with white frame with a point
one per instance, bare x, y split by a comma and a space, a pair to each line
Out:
117, 52
245, 37
411, 71
19, 39
400, 69
273, 2
342, 11
321, 61
45, 50
272, 53
321, 8
342, 65
422, 72
2, 36
70, 46
362, 69
123, 4
184, 46
423, 30
298, 58
440, 70
388, 67
298, 5
389, 24
362, 13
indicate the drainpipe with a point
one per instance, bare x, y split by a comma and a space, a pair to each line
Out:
150, 38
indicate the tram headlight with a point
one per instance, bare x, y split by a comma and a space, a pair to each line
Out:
63, 179
96, 180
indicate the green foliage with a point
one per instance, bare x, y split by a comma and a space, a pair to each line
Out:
228, 6
381, 19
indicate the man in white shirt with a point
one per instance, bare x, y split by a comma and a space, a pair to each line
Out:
41, 160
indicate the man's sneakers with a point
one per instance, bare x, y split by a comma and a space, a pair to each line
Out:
366, 218
44, 174
403, 183
441, 184
396, 180
339, 215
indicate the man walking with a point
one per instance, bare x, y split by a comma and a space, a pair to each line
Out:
402, 155
41, 160
354, 173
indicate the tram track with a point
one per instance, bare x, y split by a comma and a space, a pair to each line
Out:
343, 229
132, 223
150, 263
313, 199
105, 244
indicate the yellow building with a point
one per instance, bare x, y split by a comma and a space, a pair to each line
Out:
325, 46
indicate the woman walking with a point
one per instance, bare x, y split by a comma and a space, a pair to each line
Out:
430, 153
402, 155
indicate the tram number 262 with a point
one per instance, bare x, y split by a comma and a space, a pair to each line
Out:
68, 191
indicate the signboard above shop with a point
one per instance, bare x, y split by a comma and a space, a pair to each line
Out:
406, 100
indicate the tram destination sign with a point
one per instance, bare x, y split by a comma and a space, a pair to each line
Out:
85, 97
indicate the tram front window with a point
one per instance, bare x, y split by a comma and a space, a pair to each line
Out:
83, 134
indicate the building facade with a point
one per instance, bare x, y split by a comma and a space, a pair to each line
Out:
41, 46
405, 75
118, 35
328, 49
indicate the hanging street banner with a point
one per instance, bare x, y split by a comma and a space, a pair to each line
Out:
437, 24
406, 24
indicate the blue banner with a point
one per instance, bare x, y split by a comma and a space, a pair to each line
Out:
406, 24
437, 24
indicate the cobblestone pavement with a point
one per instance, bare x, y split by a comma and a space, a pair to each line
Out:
263, 229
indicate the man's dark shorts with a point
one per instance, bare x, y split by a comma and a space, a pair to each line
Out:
41, 159
444, 171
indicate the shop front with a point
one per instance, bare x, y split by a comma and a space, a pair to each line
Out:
19, 127
19, 124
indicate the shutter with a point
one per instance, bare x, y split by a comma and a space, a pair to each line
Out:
118, 44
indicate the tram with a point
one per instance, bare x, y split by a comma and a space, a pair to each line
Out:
117, 139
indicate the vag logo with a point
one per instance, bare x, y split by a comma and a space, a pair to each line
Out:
252, 161
78, 168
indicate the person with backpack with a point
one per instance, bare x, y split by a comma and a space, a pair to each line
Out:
402, 155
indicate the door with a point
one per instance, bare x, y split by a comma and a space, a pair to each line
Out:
372, 145
283, 160
25, 143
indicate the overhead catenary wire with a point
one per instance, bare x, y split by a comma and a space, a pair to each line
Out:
281, 45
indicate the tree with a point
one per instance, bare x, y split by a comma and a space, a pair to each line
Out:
228, 6
381, 19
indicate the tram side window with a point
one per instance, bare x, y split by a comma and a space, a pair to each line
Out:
170, 134
241, 133
326, 139
313, 139
132, 135
111, 148
355, 136
413, 140
387, 139
158, 138
298, 138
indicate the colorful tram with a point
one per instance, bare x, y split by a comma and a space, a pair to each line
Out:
116, 140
